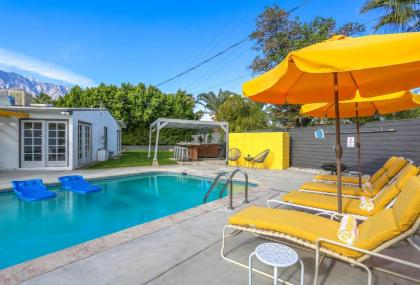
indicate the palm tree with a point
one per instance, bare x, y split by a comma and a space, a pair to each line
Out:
399, 15
212, 102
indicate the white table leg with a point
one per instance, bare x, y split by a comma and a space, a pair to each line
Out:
250, 268
275, 276
302, 272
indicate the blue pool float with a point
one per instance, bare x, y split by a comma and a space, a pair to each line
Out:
78, 184
31, 190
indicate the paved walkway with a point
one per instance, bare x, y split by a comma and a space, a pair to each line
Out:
188, 252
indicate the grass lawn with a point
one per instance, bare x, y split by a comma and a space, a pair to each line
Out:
134, 158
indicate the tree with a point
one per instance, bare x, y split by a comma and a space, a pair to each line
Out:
213, 102
43, 98
243, 114
138, 106
276, 35
398, 15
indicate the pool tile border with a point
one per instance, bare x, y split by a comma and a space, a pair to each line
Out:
30, 269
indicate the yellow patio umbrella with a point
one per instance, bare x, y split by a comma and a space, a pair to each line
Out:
335, 69
364, 107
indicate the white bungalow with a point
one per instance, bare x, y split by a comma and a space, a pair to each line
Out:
43, 137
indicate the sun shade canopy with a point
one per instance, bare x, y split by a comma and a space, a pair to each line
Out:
187, 124
364, 107
374, 65
161, 123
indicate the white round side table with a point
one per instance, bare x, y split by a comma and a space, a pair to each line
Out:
276, 255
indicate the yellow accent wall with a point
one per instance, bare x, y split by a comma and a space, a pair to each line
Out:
254, 143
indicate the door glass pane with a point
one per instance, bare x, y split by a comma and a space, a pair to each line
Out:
32, 141
57, 141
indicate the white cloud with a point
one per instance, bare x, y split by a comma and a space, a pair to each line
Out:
27, 63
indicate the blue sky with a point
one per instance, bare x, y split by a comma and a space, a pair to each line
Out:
88, 42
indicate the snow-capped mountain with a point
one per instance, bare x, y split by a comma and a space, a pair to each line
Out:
34, 86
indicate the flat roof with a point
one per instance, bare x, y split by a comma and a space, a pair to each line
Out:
46, 108
188, 124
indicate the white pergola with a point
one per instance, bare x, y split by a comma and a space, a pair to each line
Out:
161, 123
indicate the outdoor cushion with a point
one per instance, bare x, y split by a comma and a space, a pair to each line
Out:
344, 179
373, 232
390, 161
377, 229
407, 206
407, 172
347, 190
331, 188
302, 225
377, 174
327, 202
396, 167
386, 196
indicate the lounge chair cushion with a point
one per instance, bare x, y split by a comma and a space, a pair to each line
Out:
377, 174
377, 229
407, 172
331, 188
327, 202
407, 206
309, 227
347, 190
385, 197
302, 225
344, 179
396, 167
390, 161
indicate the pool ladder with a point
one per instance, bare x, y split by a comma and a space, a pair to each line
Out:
229, 181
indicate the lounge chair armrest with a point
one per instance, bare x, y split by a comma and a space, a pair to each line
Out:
364, 251
327, 214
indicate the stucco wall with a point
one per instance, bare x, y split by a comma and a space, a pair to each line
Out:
98, 120
9, 134
9, 146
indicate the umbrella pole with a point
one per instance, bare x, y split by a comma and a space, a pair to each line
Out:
359, 162
338, 150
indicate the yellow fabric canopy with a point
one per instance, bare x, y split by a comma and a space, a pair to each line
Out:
374, 65
4, 113
364, 107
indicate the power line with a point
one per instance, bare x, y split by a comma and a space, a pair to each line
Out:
224, 83
221, 52
203, 62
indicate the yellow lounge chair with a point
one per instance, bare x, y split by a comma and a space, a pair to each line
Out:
354, 180
375, 234
355, 191
328, 204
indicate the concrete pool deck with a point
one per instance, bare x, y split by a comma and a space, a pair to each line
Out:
183, 248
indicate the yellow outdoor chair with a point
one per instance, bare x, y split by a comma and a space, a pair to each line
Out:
328, 204
356, 191
378, 232
352, 179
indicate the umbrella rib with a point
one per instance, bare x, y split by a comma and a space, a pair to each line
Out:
293, 85
354, 80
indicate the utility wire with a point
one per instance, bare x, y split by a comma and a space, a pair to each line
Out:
204, 62
221, 52
223, 83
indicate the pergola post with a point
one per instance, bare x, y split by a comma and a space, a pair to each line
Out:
225, 128
155, 161
150, 141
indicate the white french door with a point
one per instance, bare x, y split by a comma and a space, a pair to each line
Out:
43, 143
84, 143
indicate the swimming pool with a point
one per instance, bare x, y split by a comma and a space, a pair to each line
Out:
33, 229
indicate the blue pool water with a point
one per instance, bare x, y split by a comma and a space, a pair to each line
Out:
32, 229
